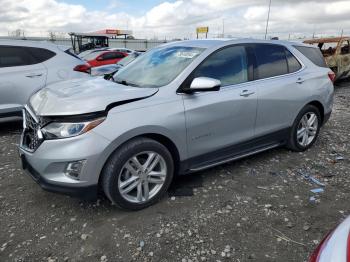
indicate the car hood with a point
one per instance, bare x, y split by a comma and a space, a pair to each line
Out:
82, 96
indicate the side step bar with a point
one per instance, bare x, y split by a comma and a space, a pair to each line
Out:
235, 157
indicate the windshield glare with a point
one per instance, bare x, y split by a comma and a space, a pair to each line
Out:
158, 67
131, 57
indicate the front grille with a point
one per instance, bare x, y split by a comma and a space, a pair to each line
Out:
31, 137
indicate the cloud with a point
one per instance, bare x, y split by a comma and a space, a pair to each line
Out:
180, 18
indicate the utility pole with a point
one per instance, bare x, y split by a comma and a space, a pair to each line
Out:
268, 18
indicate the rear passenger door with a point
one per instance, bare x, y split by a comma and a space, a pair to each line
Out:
280, 87
21, 74
220, 119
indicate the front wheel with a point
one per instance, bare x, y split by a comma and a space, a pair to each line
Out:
305, 129
138, 174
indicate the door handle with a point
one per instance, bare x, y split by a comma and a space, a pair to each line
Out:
247, 93
34, 75
300, 80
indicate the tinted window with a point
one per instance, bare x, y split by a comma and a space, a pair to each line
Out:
229, 65
40, 54
14, 56
313, 54
271, 60
108, 56
293, 63
21, 56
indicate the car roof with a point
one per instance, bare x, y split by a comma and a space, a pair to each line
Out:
217, 42
29, 43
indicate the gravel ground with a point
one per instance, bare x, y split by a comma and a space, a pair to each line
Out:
256, 209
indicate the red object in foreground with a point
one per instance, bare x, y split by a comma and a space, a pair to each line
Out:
331, 76
85, 68
348, 248
106, 58
315, 256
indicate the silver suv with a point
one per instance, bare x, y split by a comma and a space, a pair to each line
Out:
180, 108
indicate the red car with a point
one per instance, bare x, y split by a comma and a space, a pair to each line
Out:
335, 247
104, 58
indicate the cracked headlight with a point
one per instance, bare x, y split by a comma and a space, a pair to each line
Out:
57, 130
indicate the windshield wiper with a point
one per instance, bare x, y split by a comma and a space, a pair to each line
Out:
124, 82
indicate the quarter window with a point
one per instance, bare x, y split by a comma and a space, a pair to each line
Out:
293, 63
313, 54
271, 60
228, 65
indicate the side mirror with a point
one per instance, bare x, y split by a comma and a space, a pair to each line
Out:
100, 58
204, 84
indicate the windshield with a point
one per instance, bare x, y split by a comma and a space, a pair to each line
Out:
158, 67
128, 59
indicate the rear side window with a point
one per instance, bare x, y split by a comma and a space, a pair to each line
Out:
21, 56
40, 54
313, 54
228, 65
15, 56
293, 63
271, 60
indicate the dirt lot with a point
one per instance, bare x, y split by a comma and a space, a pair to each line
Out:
256, 209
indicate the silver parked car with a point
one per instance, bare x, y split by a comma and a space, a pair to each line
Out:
27, 66
183, 107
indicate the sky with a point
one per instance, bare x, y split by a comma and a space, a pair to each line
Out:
177, 18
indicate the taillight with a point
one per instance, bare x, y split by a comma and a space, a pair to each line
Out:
331, 76
85, 68
315, 256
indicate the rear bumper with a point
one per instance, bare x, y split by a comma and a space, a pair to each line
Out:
82, 192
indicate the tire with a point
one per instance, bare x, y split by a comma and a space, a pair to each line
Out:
121, 168
300, 144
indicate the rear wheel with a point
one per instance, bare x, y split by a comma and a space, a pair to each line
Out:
138, 174
305, 129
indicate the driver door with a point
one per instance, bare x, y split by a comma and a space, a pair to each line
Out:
218, 120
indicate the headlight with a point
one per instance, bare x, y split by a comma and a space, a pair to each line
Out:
56, 130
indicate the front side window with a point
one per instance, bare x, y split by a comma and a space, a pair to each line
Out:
158, 67
228, 65
271, 60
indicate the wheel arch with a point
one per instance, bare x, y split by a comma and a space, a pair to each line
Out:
320, 107
159, 137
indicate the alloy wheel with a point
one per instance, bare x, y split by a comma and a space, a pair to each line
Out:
142, 177
307, 129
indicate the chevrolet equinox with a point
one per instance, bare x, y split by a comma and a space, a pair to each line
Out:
179, 108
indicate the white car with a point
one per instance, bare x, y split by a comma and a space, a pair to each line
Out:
27, 66
335, 247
